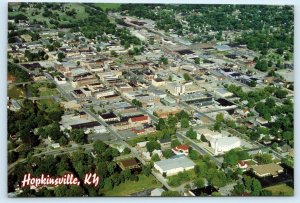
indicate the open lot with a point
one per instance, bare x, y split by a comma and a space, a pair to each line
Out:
129, 187
281, 190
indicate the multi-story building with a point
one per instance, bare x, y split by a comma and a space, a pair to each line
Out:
175, 89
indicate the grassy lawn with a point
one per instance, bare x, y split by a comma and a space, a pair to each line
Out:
46, 102
15, 92
130, 187
105, 6
178, 180
281, 190
44, 91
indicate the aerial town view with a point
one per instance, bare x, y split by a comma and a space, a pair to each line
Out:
150, 100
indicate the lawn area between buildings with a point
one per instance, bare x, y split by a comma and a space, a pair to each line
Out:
130, 187
281, 190
44, 91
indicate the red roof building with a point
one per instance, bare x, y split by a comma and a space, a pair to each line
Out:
242, 164
181, 149
140, 119
138, 131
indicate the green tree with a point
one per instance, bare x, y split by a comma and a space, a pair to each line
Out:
170, 194
155, 158
161, 124
199, 182
193, 154
220, 117
60, 56
167, 153
113, 53
191, 133
78, 135
152, 145
217, 126
175, 143
187, 77
256, 188
203, 139
184, 122
146, 170
164, 60
100, 147
60, 191
281, 93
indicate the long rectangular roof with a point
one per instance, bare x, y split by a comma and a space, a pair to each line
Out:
180, 162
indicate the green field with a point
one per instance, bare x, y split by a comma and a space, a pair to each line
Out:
281, 190
105, 6
79, 8
15, 92
44, 91
130, 187
46, 102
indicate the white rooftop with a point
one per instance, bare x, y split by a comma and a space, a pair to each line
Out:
180, 162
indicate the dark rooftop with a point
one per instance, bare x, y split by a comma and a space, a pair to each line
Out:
85, 125
208, 190
78, 92
108, 115
184, 51
32, 65
232, 56
224, 102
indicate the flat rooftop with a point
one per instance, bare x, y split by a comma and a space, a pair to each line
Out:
169, 164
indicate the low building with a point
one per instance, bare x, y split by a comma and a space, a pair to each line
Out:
157, 192
265, 170
181, 150
224, 144
141, 144
175, 88
129, 164
208, 134
171, 167
139, 120
138, 131
165, 111
55, 145
221, 92
60, 80
86, 91
198, 98
104, 92
77, 93
165, 143
156, 82
70, 105
109, 117
123, 88
158, 152
169, 101
261, 120
242, 164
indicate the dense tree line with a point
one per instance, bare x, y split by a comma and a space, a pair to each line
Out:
20, 74
282, 127
263, 27
79, 163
